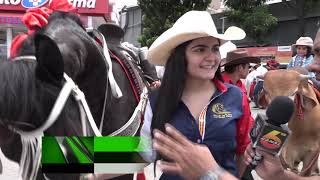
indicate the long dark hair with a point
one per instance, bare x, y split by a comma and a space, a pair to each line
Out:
172, 87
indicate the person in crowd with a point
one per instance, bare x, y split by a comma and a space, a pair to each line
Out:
236, 67
271, 64
302, 54
250, 79
192, 96
113, 34
194, 161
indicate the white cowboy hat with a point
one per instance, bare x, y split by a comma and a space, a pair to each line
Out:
191, 25
304, 41
225, 48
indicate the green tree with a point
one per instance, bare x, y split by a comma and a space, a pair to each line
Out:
159, 15
253, 16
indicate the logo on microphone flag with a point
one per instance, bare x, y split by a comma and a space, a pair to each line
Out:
271, 140
118, 154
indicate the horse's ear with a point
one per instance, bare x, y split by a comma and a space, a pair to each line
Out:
308, 95
50, 66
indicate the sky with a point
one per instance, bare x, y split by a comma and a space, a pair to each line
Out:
120, 3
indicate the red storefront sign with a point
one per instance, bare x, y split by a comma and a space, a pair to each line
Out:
10, 18
280, 53
13, 18
88, 7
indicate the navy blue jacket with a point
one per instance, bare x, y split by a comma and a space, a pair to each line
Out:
224, 110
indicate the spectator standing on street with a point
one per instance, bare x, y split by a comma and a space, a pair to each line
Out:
193, 97
250, 81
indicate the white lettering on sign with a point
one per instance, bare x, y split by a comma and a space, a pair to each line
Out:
83, 3
284, 48
12, 2
75, 3
15, 2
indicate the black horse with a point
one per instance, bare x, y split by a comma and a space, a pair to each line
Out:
29, 88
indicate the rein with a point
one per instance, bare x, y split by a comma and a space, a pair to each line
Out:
116, 91
298, 102
131, 127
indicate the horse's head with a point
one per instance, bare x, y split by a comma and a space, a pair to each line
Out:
28, 93
66, 31
30, 86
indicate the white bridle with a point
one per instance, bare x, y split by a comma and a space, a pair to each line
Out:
32, 140
68, 88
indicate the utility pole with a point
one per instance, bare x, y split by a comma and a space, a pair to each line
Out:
222, 18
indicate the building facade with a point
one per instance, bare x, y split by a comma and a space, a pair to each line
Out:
11, 12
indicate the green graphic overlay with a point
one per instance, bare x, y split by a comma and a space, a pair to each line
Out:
117, 144
67, 154
82, 154
51, 152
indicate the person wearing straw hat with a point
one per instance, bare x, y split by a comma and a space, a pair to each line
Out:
194, 160
302, 54
193, 97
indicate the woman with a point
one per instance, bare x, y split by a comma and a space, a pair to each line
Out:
192, 96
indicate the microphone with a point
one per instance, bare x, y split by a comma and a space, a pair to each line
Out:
269, 133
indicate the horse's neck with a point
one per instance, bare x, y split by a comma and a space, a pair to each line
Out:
93, 82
